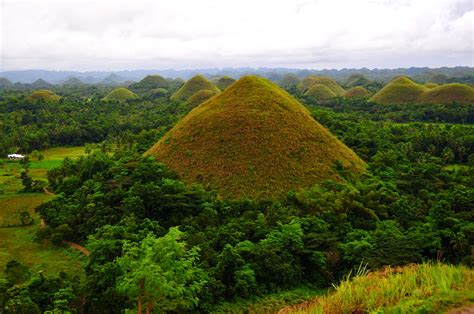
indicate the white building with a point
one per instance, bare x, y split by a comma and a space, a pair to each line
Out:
15, 156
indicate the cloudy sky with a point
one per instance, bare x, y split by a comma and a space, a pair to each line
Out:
181, 34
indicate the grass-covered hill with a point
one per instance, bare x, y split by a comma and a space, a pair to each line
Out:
449, 93
197, 83
150, 82
320, 92
356, 91
253, 139
199, 97
401, 90
357, 80
224, 82
120, 94
289, 80
44, 95
326, 81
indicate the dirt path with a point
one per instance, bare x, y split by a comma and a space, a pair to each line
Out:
46, 191
78, 247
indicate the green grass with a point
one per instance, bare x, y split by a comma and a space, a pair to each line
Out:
423, 288
19, 242
120, 94
253, 139
192, 86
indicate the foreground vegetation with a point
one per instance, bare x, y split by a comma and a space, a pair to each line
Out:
414, 204
423, 288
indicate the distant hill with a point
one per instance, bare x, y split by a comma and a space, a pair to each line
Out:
120, 94
224, 82
73, 81
150, 82
256, 140
41, 84
401, 90
192, 86
199, 97
320, 92
357, 80
357, 91
288, 81
449, 93
5, 83
43, 95
309, 81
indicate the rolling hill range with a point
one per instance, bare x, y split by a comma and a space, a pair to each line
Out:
253, 139
403, 90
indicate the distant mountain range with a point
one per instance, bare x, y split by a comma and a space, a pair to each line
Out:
120, 77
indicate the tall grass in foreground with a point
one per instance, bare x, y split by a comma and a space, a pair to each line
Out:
424, 288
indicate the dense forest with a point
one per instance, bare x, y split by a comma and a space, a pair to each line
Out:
190, 250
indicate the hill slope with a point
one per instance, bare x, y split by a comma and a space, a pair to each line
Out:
253, 139
449, 93
43, 94
120, 94
192, 86
401, 90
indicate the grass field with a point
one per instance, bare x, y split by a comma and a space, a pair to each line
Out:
19, 242
423, 288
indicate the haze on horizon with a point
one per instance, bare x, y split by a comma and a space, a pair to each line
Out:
144, 34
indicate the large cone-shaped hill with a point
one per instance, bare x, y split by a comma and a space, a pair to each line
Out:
449, 93
254, 140
401, 90
43, 95
192, 86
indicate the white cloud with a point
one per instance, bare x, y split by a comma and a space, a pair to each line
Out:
118, 34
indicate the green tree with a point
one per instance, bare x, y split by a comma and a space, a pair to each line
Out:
160, 273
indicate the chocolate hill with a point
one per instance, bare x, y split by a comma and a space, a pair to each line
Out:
192, 86
255, 140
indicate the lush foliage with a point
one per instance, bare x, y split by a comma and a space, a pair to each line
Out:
414, 203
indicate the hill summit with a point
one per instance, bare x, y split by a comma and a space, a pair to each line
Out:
253, 140
192, 86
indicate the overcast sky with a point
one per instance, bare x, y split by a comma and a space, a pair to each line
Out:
158, 34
